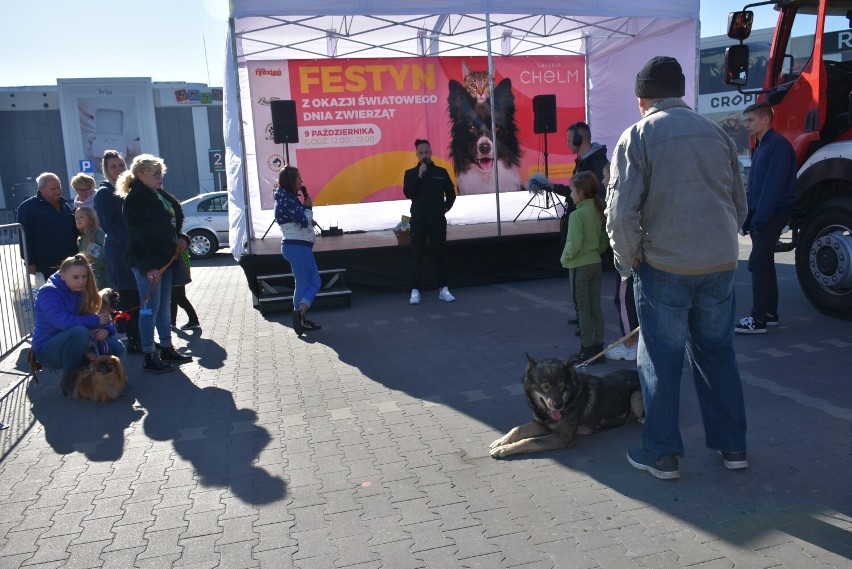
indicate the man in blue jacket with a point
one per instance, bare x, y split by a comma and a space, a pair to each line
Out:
48, 222
771, 195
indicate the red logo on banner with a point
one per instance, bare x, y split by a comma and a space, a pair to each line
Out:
270, 72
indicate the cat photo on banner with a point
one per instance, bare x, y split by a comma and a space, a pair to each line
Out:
475, 150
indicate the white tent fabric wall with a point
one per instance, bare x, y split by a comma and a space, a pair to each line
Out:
617, 37
614, 63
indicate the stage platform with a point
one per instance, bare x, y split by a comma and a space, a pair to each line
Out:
476, 255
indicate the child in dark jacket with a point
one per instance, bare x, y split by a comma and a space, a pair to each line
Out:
586, 241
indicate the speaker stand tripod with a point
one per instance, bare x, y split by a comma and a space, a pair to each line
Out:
286, 161
551, 200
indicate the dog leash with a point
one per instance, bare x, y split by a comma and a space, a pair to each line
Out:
608, 348
125, 314
100, 367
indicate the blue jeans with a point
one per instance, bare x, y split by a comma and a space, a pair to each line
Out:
305, 273
114, 347
67, 349
695, 315
160, 313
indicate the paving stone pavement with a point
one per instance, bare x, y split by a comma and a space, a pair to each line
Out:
365, 445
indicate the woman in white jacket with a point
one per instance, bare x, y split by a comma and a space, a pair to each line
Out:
297, 227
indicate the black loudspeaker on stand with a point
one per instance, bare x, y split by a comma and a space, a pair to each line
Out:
544, 114
285, 129
544, 122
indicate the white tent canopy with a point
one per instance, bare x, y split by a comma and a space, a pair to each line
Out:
241, 9
616, 37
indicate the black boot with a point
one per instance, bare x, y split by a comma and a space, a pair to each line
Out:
68, 383
297, 322
134, 346
153, 364
169, 354
588, 352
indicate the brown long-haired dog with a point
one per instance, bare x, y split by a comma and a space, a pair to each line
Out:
103, 380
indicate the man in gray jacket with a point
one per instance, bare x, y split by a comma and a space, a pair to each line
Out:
674, 205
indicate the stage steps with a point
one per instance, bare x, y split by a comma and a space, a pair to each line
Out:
276, 291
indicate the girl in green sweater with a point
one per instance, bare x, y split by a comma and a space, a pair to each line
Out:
586, 242
91, 242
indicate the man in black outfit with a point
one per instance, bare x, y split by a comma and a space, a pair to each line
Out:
432, 194
591, 157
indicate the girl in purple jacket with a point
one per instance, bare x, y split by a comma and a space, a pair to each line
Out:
66, 310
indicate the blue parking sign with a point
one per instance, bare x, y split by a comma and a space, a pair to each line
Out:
87, 166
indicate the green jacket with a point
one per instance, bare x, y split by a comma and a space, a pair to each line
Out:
586, 237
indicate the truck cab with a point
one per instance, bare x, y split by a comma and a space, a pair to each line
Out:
810, 90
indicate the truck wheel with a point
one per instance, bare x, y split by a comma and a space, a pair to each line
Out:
824, 258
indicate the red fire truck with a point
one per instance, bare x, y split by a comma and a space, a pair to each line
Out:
812, 98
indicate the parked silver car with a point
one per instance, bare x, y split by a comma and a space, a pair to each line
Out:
206, 223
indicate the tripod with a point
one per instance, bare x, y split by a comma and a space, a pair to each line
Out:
550, 201
287, 161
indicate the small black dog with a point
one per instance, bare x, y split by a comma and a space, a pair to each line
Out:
567, 403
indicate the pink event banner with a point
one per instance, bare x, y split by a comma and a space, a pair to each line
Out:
358, 119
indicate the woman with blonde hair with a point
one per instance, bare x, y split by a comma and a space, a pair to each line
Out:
91, 243
66, 311
84, 185
154, 219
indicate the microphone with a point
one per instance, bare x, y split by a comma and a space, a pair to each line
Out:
304, 191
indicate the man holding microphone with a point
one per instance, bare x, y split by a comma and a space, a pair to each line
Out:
432, 194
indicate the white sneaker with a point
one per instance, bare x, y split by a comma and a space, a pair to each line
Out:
622, 352
445, 295
415, 297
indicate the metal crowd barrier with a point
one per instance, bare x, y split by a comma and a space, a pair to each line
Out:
16, 299
16, 294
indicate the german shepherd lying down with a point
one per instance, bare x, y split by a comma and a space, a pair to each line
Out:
103, 380
567, 403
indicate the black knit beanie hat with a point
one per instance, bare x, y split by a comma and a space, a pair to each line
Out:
660, 78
